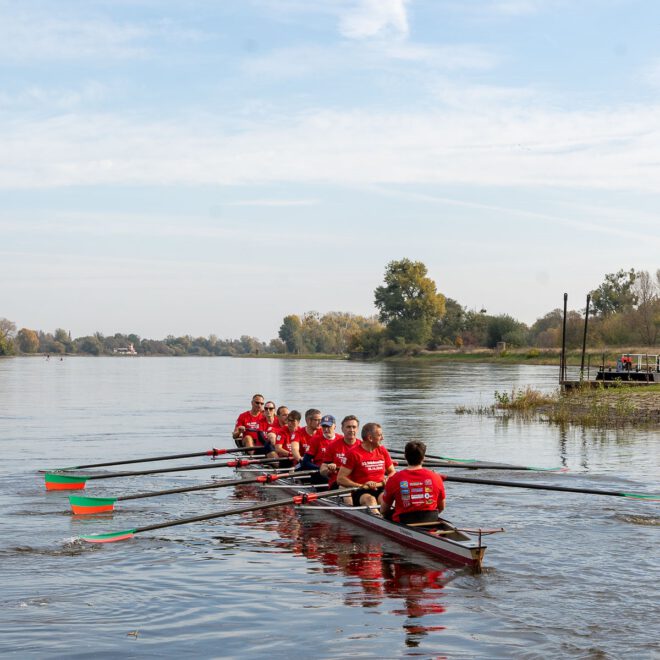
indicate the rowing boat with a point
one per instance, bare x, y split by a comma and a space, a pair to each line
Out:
442, 540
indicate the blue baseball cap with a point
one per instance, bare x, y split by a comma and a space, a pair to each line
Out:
327, 420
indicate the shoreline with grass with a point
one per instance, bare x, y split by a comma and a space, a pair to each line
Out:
601, 407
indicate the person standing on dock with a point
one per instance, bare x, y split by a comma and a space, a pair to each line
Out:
416, 494
338, 450
249, 423
367, 467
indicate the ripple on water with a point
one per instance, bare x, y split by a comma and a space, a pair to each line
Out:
639, 519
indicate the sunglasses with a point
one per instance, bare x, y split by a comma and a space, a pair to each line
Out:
270, 408
258, 403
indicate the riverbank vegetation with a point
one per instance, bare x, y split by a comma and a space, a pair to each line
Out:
598, 407
413, 320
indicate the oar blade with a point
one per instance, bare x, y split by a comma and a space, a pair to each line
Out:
654, 497
83, 506
56, 481
109, 537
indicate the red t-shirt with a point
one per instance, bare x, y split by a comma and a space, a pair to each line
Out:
367, 465
252, 423
271, 427
337, 453
305, 439
320, 446
277, 425
414, 490
284, 437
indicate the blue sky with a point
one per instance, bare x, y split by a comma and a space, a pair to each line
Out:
209, 167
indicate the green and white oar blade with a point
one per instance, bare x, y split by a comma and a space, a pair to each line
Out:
643, 496
109, 537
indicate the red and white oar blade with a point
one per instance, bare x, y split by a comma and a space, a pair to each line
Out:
82, 506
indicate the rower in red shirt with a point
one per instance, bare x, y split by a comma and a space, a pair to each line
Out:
249, 423
367, 467
285, 436
318, 448
338, 450
417, 494
300, 446
282, 414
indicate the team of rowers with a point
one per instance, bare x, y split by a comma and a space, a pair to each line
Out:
412, 495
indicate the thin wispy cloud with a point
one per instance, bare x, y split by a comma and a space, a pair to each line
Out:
28, 35
375, 18
511, 146
274, 202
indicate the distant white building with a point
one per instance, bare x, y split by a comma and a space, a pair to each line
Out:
126, 351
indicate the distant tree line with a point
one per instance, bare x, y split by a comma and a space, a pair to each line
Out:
27, 341
624, 311
412, 316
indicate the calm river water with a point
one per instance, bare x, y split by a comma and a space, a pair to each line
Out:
574, 575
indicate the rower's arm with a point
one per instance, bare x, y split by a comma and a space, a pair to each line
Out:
344, 478
386, 502
327, 469
295, 451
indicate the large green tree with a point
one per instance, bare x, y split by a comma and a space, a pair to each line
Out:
7, 330
408, 303
28, 340
291, 333
616, 294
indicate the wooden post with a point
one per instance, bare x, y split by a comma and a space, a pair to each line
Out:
562, 360
584, 338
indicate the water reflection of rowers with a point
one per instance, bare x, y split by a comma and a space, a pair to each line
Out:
367, 467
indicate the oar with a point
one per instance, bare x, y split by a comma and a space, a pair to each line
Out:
474, 464
564, 489
87, 505
211, 452
66, 481
110, 537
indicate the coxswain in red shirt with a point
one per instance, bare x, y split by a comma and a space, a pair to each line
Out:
416, 494
316, 455
338, 450
300, 446
249, 423
367, 467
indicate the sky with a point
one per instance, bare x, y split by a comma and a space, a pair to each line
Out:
202, 167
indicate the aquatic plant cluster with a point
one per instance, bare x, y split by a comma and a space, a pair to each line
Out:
600, 407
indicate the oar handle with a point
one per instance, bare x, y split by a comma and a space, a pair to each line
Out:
240, 462
518, 484
170, 457
297, 499
265, 478
475, 465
